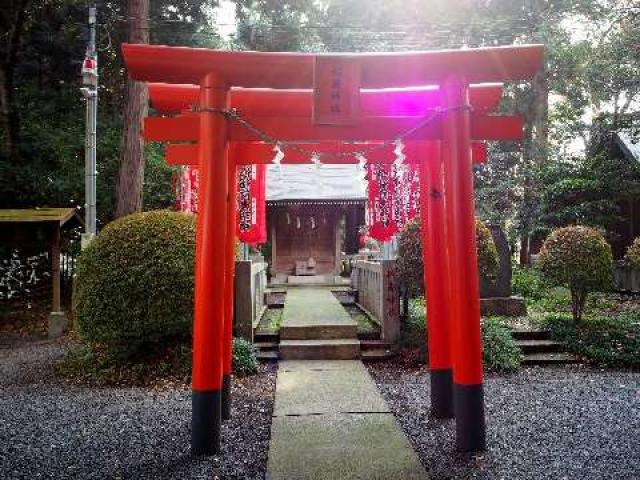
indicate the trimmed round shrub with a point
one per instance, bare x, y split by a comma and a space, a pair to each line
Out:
134, 285
244, 357
580, 259
632, 257
410, 264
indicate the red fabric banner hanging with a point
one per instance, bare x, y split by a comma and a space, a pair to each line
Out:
411, 192
383, 216
394, 198
187, 190
252, 221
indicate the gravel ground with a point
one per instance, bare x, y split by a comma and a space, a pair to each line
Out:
49, 429
542, 423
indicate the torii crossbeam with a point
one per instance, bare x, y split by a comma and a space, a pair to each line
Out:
339, 109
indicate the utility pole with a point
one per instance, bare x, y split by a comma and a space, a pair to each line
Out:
90, 92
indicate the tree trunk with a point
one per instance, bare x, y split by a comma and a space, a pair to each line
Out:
131, 176
12, 22
524, 250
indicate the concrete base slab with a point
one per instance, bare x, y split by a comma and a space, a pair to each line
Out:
344, 446
313, 392
57, 324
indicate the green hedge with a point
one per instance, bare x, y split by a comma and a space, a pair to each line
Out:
612, 341
410, 264
500, 352
244, 357
134, 285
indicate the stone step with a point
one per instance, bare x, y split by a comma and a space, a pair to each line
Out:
540, 346
319, 332
529, 334
549, 359
266, 336
375, 344
323, 349
266, 346
269, 356
376, 354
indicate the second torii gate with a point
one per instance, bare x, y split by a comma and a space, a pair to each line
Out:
339, 82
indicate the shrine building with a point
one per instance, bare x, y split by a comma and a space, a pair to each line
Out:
313, 217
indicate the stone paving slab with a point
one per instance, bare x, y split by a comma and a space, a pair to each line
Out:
343, 446
320, 391
330, 422
313, 307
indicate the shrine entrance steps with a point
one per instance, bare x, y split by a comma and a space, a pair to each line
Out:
315, 326
330, 422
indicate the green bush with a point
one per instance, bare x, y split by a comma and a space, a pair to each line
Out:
528, 283
632, 257
612, 341
244, 357
410, 265
134, 285
580, 259
500, 352
409, 262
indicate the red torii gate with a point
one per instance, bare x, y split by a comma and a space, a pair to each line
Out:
449, 236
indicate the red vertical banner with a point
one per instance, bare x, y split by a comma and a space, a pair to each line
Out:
383, 209
187, 190
251, 198
411, 191
336, 90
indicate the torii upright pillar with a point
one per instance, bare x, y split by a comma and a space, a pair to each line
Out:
463, 268
229, 286
209, 314
436, 280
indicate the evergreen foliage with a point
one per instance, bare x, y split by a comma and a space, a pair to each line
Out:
500, 352
244, 357
580, 259
633, 254
608, 341
410, 257
134, 286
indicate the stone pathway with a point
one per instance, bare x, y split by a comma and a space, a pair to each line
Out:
316, 326
330, 422
313, 306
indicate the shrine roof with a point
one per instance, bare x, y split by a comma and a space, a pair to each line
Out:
49, 215
158, 63
630, 144
308, 182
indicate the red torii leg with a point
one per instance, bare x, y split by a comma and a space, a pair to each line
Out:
208, 323
229, 287
463, 267
436, 280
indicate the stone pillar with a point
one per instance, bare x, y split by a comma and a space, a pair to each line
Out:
390, 298
244, 314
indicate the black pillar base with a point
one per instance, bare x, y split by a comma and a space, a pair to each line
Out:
470, 423
442, 393
206, 420
226, 397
